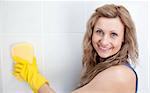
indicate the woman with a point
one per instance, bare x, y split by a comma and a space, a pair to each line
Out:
109, 47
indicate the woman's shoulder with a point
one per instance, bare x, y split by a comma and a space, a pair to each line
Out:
123, 71
116, 78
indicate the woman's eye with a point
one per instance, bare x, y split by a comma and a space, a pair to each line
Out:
114, 34
99, 31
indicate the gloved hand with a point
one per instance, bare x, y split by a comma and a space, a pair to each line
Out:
29, 73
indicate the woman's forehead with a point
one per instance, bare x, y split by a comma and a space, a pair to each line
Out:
109, 24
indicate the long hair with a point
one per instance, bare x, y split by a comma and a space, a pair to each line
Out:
128, 51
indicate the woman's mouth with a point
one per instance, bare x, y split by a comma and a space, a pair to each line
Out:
103, 48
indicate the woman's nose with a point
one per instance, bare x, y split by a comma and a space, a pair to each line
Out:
104, 41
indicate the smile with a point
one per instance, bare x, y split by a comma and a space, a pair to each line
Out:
103, 48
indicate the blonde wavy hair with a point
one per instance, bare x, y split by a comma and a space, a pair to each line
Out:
127, 53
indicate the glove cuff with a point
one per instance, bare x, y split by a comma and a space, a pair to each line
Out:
37, 84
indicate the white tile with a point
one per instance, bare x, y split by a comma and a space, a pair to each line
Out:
20, 17
63, 16
63, 54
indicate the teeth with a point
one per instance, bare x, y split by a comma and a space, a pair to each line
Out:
104, 48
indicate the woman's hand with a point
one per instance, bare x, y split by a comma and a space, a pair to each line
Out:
29, 73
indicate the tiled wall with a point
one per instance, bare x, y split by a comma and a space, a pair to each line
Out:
56, 30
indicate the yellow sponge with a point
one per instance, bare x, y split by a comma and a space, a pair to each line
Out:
23, 50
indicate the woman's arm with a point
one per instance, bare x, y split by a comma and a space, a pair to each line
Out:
46, 89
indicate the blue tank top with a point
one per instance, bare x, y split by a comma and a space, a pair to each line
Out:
135, 75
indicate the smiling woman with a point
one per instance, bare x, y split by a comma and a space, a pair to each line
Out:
109, 43
109, 46
107, 38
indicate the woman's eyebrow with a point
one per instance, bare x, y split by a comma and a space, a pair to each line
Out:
99, 28
115, 31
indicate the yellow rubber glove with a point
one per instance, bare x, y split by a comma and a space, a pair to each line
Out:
23, 50
29, 73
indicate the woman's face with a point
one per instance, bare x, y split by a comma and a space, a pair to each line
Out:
108, 35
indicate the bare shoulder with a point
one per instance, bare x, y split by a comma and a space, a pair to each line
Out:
120, 72
119, 78
116, 79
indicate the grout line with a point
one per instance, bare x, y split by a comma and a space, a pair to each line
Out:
148, 50
43, 41
148, 64
42, 32
1, 77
